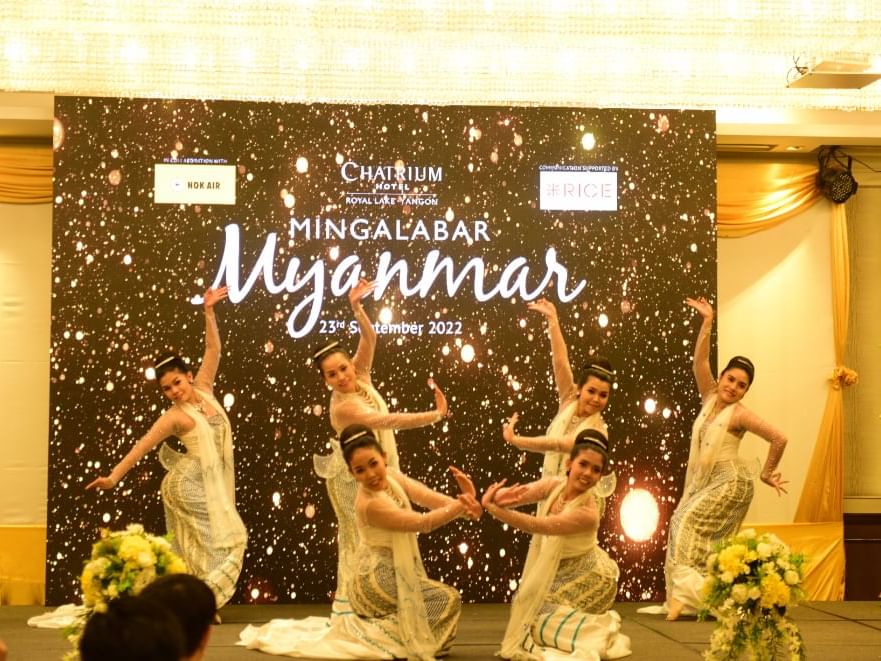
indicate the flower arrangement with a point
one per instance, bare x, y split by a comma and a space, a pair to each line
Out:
124, 562
751, 581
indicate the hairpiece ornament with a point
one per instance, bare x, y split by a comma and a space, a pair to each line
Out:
743, 363
601, 371
593, 437
354, 437
323, 350
163, 362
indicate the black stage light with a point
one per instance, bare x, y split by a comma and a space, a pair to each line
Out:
834, 179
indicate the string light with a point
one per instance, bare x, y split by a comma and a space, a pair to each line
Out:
602, 53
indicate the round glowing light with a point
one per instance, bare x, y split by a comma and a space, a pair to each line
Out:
385, 316
268, 550
149, 374
309, 511
467, 353
105, 517
114, 177
450, 215
289, 200
228, 400
317, 410
127, 260
588, 141
639, 515
302, 164
276, 498
650, 405
334, 253
463, 548
666, 412
603, 320
445, 350
255, 593
109, 387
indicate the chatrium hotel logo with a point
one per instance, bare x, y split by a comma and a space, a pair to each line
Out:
394, 184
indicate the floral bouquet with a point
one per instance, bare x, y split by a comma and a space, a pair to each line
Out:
751, 580
123, 562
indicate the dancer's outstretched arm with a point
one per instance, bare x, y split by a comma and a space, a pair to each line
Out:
703, 375
545, 443
563, 376
351, 412
569, 522
363, 358
204, 378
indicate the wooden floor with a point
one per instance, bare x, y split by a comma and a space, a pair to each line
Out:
845, 631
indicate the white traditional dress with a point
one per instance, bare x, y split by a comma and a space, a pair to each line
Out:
365, 407
562, 608
396, 610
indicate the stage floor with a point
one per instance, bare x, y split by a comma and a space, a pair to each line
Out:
848, 630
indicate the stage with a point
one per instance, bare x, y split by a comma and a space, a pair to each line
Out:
849, 630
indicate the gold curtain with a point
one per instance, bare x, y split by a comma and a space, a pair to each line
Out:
25, 174
755, 196
822, 498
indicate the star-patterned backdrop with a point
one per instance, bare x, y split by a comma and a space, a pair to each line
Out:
463, 200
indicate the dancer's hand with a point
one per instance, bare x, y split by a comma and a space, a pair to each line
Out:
466, 486
473, 510
508, 429
102, 483
213, 296
359, 291
702, 305
510, 496
776, 481
545, 307
489, 495
440, 400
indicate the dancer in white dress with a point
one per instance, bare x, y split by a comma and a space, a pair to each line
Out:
398, 611
562, 608
718, 483
355, 401
198, 492
580, 404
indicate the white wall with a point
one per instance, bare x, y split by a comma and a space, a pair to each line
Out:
25, 294
776, 308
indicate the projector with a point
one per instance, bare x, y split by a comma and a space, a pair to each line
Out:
837, 73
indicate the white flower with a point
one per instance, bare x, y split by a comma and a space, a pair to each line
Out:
135, 528
791, 577
764, 550
748, 533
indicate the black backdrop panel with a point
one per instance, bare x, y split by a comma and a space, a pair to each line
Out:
464, 213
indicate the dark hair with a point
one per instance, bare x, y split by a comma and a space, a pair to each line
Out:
190, 600
134, 629
743, 363
325, 351
593, 439
169, 362
598, 367
355, 437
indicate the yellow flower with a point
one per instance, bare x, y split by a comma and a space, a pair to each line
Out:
739, 593
176, 566
731, 560
791, 577
774, 591
136, 550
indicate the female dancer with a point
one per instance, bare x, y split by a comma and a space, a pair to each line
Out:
355, 401
402, 613
569, 583
580, 405
198, 493
718, 486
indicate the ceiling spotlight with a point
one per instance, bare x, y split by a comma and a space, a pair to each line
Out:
834, 178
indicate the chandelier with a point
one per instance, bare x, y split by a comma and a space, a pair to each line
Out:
624, 53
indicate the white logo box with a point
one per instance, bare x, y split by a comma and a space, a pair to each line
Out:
183, 183
578, 190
